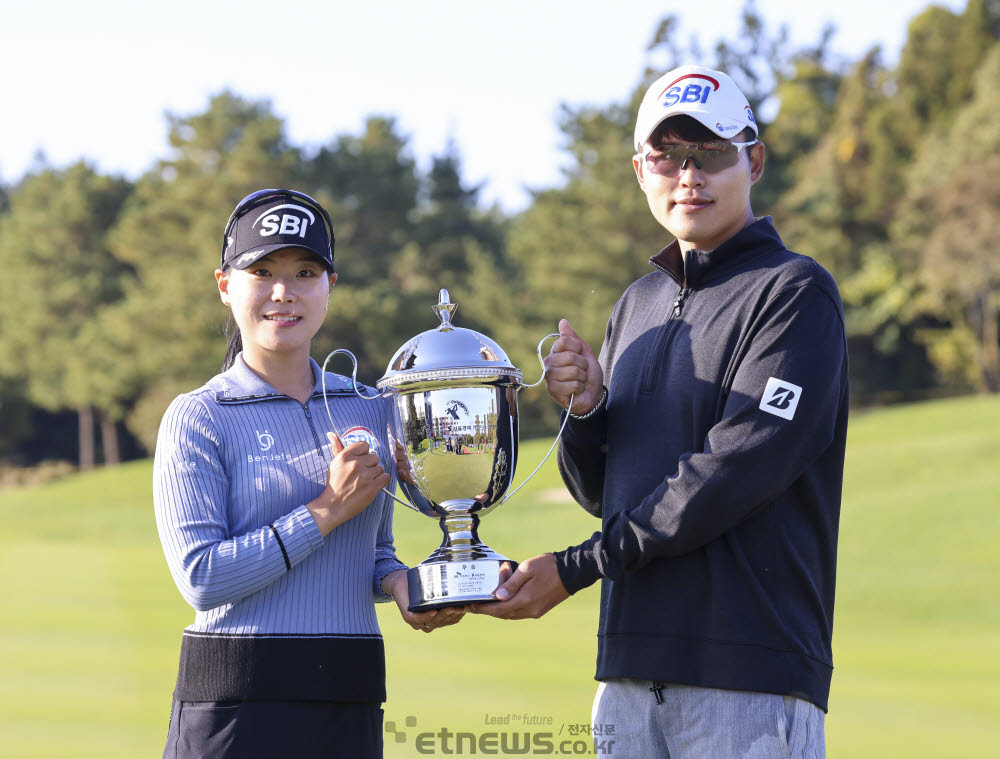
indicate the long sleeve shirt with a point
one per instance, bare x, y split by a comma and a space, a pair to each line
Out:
716, 467
281, 611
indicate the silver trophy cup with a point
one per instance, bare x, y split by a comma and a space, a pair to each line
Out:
454, 397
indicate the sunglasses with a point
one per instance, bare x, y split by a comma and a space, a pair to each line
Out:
710, 157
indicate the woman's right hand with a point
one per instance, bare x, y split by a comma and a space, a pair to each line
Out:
353, 479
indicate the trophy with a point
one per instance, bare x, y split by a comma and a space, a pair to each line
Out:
454, 398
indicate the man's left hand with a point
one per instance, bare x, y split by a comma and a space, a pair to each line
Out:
530, 592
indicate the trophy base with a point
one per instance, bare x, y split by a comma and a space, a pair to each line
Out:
435, 585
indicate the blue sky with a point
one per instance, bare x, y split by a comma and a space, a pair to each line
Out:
94, 79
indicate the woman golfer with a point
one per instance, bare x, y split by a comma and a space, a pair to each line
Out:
275, 530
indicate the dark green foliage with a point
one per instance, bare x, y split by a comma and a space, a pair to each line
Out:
886, 175
61, 276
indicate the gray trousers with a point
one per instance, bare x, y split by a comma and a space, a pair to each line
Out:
704, 723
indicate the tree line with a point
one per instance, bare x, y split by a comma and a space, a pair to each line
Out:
888, 175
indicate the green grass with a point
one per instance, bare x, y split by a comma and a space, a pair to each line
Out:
90, 622
446, 473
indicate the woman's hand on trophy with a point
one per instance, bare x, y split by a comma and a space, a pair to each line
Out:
353, 479
403, 471
572, 369
533, 590
396, 585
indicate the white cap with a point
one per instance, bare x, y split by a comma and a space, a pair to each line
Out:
709, 96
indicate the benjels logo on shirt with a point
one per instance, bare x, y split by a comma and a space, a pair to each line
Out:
266, 441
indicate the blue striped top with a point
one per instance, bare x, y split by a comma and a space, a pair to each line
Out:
235, 464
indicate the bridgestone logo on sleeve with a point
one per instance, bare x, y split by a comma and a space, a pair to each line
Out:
780, 398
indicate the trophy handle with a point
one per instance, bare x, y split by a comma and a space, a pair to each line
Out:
541, 361
354, 379
354, 386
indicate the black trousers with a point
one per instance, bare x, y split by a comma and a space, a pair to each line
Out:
252, 729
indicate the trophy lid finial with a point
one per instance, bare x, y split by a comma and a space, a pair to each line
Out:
444, 309
448, 356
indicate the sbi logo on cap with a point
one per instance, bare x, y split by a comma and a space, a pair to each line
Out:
272, 223
692, 92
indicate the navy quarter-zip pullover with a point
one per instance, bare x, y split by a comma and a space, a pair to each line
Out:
716, 467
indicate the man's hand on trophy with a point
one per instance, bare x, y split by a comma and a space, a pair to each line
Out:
396, 585
352, 482
530, 592
403, 471
571, 368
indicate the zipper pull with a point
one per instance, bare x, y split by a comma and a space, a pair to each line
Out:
679, 303
657, 691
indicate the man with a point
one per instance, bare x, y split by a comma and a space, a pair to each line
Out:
709, 437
